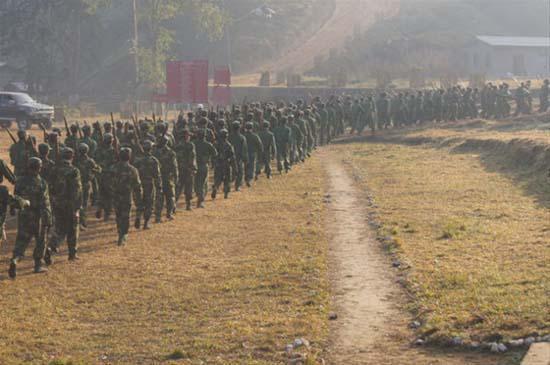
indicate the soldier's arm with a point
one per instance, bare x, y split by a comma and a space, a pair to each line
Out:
157, 179
175, 167
77, 190
137, 192
213, 154
45, 207
244, 150
273, 147
260, 145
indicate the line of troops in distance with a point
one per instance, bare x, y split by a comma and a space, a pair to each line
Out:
111, 165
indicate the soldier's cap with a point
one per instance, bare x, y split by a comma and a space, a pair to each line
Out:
73, 127
221, 121
223, 132
266, 124
21, 133
125, 154
86, 127
83, 147
44, 147
34, 164
236, 124
67, 153
249, 125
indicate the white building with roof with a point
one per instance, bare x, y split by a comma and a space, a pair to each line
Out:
498, 56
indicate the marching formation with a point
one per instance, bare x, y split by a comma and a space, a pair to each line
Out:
147, 164
151, 164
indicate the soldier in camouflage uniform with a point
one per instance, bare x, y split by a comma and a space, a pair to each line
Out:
169, 175
5, 172
283, 135
34, 217
149, 172
269, 150
238, 141
105, 158
225, 165
127, 185
20, 154
186, 155
67, 193
255, 148
89, 170
205, 153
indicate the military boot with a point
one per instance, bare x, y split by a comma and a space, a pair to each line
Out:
48, 257
38, 268
72, 255
122, 239
158, 219
146, 224
137, 223
12, 271
226, 195
99, 213
188, 204
214, 193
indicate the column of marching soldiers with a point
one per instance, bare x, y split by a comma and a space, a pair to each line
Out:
112, 165
148, 163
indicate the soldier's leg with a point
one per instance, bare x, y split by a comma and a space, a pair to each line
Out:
148, 202
85, 199
267, 167
122, 211
250, 168
189, 180
170, 198
60, 229
25, 232
279, 160
201, 179
179, 185
239, 175
73, 228
218, 179
95, 191
226, 183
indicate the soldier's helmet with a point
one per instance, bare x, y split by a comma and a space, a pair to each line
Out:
221, 123
86, 128
249, 125
83, 148
56, 130
73, 128
108, 138
67, 153
44, 148
34, 165
118, 124
147, 146
203, 121
266, 124
236, 125
21, 134
125, 154
223, 133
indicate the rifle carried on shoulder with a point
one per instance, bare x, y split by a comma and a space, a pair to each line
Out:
138, 136
44, 131
115, 140
67, 127
11, 135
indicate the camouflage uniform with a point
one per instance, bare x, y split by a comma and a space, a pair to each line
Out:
89, 169
205, 153
67, 194
5, 172
149, 173
33, 219
105, 158
255, 148
225, 165
169, 175
127, 185
283, 136
269, 151
20, 154
186, 156
238, 141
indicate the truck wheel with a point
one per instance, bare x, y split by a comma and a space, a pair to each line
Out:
47, 123
23, 125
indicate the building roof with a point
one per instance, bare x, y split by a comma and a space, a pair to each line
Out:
498, 41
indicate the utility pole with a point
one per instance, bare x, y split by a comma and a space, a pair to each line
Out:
134, 49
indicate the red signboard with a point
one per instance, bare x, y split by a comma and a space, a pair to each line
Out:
187, 82
221, 95
222, 76
174, 85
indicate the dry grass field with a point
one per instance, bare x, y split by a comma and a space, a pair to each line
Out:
232, 283
471, 221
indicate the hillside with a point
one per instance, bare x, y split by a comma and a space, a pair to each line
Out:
431, 30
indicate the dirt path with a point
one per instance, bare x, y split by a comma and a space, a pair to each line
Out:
371, 327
